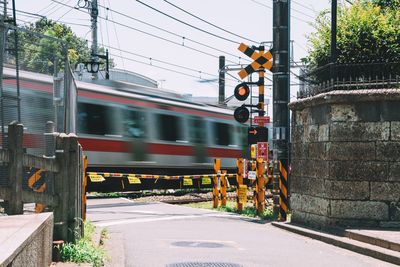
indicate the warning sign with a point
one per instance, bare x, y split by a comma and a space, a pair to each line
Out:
242, 194
262, 150
187, 182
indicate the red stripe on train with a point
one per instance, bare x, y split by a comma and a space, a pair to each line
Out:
160, 149
44, 87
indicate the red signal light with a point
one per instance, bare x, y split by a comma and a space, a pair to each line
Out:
242, 91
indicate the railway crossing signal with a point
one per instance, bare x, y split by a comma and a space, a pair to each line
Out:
261, 60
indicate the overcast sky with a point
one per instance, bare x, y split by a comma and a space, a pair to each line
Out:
250, 19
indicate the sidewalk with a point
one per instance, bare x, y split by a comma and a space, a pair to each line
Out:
382, 244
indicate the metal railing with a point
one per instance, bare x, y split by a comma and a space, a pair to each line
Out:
349, 76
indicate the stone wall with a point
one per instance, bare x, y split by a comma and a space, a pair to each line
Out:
346, 159
26, 240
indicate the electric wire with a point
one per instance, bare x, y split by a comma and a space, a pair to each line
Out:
167, 31
264, 5
150, 34
304, 6
72, 8
116, 34
151, 59
187, 24
209, 23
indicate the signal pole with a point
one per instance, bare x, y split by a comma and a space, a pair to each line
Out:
94, 12
281, 80
221, 94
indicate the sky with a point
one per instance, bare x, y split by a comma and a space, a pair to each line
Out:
188, 50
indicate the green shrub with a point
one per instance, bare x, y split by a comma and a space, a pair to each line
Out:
85, 250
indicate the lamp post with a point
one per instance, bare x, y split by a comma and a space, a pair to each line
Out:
93, 65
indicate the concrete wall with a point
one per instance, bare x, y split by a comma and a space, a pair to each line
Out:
26, 240
346, 159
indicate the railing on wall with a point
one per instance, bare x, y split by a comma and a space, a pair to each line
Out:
350, 76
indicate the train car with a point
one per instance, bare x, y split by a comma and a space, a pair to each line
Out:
129, 127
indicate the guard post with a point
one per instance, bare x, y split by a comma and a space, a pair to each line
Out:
260, 186
239, 182
217, 166
223, 188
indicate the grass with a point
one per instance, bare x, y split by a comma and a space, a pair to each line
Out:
248, 209
85, 250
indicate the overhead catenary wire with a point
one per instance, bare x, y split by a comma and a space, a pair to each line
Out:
167, 31
150, 34
209, 23
264, 5
151, 59
188, 24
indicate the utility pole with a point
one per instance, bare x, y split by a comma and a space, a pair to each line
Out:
221, 94
94, 12
333, 39
281, 81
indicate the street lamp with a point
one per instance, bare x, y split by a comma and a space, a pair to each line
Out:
93, 65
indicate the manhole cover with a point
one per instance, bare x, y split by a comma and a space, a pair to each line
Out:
204, 264
196, 244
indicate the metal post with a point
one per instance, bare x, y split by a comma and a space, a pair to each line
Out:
223, 189
260, 186
333, 30
239, 181
107, 66
217, 165
221, 94
281, 80
94, 12
16, 63
333, 39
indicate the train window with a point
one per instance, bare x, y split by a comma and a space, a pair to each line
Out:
134, 122
95, 119
197, 130
170, 127
222, 134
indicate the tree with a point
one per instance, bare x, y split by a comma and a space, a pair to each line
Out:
41, 54
366, 31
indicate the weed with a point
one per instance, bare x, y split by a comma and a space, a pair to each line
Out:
248, 209
84, 250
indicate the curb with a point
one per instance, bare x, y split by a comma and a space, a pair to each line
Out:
344, 242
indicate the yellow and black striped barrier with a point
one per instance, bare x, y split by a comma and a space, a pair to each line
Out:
99, 177
283, 192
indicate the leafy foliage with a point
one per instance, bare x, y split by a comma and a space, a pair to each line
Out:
366, 31
84, 251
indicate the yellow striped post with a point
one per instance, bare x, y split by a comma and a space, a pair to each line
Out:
239, 182
283, 193
260, 186
217, 165
223, 189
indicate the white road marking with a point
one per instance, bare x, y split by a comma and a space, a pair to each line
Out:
170, 218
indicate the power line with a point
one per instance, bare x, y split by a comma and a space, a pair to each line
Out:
167, 31
187, 24
209, 23
264, 5
302, 5
152, 35
151, 59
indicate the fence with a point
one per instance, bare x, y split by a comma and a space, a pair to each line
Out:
66, 175
33, 98
350, 76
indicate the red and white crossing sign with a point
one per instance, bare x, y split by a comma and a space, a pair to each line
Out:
262, 150
261, 119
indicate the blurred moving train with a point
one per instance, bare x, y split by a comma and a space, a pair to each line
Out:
128, 127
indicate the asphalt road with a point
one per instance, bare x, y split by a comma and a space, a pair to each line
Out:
156, 234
